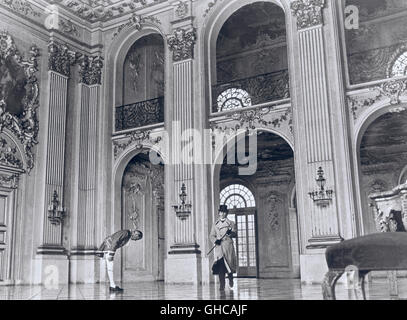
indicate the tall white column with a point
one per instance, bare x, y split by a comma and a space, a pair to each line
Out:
51, 259
183, 263
84, 265
320, 126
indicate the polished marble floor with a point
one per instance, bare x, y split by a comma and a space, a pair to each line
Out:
245, 289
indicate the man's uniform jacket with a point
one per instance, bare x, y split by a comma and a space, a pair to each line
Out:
115, 241
226, 250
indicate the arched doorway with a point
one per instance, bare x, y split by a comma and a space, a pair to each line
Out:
242, 210
140, 201
265, 198
382, 158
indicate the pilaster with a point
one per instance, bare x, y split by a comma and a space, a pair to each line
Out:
318, 105
51, 259
84, 264
184, 252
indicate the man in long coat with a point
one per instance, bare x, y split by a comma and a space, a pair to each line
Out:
223, 230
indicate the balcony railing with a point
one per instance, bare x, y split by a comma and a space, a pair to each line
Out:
261, 88
140, 114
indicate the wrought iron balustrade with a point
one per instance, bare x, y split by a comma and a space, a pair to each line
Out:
261, 88
140, 114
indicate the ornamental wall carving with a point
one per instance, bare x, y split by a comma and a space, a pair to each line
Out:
60, 58
182, 43
308, 12
19, 93
134, 140
392, 89
90, 70
250, 120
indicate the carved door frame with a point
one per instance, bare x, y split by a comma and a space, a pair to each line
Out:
9, 179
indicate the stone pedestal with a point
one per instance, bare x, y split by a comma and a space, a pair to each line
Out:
183, 268
85, 269
51, 270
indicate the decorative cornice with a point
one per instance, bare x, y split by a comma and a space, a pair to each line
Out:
25, 125
136, 22
21, 6
60, 58
308, 12
182, 43
90, 70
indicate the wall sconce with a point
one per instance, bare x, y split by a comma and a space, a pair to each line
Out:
321, 197
56, 212
183, 211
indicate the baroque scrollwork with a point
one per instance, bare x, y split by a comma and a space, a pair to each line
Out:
90, 72
21, 6
9, 181
273, 199
182, 9
135, 21
135, 139
308, 12
253, 117
182, 43
9, 155
60, 58
68, 27
17, 72
393, 89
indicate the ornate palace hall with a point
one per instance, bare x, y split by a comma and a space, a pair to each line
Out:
158, 145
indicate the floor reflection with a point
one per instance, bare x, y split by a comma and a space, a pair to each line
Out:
244, 289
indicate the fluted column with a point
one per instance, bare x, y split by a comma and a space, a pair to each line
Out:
60, 60
184, 257
321, 225
321, 134
182, 44
84, 265
89, 90
51, 262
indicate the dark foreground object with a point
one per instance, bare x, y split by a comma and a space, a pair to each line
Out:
374, 252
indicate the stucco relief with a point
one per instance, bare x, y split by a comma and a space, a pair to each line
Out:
19, 91
135, 140
308, 12
392, 89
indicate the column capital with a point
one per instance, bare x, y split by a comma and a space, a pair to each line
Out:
60, 58
90, 70
182, 43
308, 12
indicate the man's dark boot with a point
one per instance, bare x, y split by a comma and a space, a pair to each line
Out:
230, 280
222, 281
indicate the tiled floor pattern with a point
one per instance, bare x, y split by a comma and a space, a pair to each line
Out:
245, 289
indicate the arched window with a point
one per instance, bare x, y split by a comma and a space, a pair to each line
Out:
233, 98
237, 196
400, 66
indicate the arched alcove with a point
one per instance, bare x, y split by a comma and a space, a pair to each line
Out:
382, 154
250, 55
272, 187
